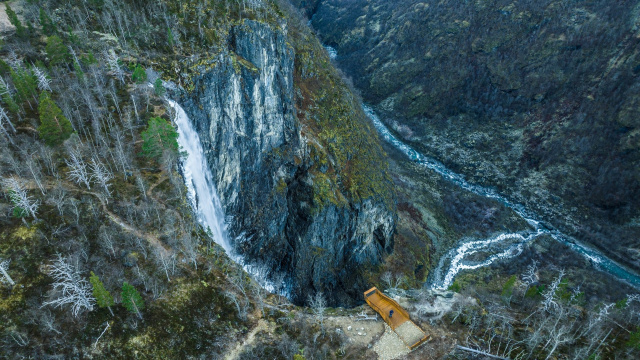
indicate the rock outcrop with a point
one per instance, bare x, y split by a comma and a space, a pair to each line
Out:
288, 208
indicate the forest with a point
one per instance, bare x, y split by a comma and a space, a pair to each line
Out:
102, 254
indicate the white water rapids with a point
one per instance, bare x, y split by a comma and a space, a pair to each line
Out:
503, 246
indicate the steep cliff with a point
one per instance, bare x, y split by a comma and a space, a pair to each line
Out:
304, 202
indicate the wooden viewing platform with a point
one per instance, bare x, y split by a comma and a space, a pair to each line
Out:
400, 322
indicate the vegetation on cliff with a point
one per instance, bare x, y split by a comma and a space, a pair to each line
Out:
349, 162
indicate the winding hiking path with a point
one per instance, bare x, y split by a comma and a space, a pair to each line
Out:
70, 187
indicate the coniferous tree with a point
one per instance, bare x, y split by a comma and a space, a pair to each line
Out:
158, 137
54, 126
158, 88
131, 299
102, 295
57, 51
7, 99
25, 82
21, 31
139, 75
48, 27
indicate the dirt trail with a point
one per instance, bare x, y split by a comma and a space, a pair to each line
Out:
151, 239
250, 339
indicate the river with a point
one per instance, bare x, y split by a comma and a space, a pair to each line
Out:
502, 246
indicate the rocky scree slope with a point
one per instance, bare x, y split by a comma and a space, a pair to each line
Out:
536, 98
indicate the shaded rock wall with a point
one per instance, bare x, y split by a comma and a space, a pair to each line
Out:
244, 109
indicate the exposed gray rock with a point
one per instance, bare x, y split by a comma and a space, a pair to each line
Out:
244, 107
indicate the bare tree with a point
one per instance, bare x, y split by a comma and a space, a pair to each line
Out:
19, 197
78, 169
318, 306
189, 248
44, 83
4, 267
393, 282
239, 283
550, 300
107, 241
57, 197
75, 208
101, 175
238, 302
530, 276
166, 260
50, 164
260, 294
34, 169
4, 119
114, 65
70, 287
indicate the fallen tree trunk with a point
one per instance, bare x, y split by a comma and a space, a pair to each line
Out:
480, 352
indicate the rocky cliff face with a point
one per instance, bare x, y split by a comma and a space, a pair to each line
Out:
274, 181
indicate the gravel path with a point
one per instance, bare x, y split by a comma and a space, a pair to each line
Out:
390, 346
410, 333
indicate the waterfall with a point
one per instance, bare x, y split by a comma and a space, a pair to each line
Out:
496, 246
203, 196
199, 181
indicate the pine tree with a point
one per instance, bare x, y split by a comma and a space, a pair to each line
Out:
57, 51
102, 295
158, 88
131, 299
7, 99
139, 75
48, 27
158, 137
54, 126
21, 31
26, 84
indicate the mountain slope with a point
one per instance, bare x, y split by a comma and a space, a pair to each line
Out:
538, 99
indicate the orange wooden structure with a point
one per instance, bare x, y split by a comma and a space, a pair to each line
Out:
400, 322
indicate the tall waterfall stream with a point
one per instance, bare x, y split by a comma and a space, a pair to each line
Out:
203, 195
